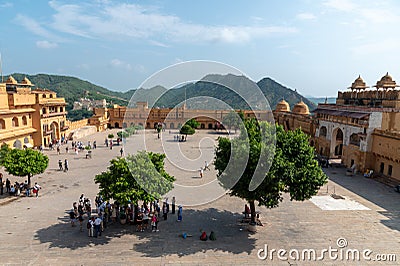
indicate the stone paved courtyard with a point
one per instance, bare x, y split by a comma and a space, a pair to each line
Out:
36, 231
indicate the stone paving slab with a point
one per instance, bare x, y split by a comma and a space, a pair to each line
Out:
36, 231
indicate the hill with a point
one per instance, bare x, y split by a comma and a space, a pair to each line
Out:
210, 86
72, 88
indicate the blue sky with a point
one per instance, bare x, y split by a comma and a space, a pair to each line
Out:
317, 47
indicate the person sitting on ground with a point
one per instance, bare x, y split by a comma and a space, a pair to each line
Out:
203, 236
212, 236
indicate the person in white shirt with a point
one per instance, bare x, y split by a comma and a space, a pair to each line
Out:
97, 226
36, 188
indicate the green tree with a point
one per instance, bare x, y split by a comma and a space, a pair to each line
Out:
4, 150
110, 136
187, 130
133, 179
291, 163
26, 162
192, 123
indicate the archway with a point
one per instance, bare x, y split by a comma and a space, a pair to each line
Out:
171, 126
17, 144
337, 143
116, 125
202, 126
210, 126
55, 131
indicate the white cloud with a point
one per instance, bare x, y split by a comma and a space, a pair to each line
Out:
126, 21
120, 64
377, 47
306, 16
33, 26
46, 44
341, 5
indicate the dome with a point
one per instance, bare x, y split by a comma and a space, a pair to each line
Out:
26, 81
282, 106
11, 80
386, 82
358, 84
301, 108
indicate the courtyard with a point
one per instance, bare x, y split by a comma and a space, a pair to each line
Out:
365, 214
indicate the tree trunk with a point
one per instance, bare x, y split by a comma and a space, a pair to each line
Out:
252, 211
29, 180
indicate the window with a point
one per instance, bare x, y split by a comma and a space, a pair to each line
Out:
61, 109
390, 169
323, 132
15, 122
354, 139
381, 168
2, 124
43, 110
24, 121
44, 95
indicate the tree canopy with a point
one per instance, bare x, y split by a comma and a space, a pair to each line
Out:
278, 162
25, 162
192, 123
139, 177
187, 130
4, 149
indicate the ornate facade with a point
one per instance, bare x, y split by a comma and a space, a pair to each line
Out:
362, 128
30, 117
171, 118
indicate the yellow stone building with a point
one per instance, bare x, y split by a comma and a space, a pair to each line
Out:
171, 118
30, 117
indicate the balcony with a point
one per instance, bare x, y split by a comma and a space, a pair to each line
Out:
54, 114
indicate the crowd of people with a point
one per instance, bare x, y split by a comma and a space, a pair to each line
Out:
16, 189
143, 216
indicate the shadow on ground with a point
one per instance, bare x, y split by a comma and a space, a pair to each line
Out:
168, 241
379, 194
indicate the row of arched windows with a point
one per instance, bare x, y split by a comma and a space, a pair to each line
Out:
14, 122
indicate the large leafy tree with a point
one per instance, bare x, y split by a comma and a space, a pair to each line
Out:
192, 123
187, 130
286, 167
25, 162
4, 149
139, 177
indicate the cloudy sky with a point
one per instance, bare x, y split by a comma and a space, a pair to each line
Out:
317, 47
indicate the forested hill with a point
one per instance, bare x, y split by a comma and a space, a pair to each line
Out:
72, 88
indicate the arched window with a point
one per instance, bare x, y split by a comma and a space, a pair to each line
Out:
2, 124
51, 95
43, 110
15, 122
124, 125
44, 95
116, 125
24, 121
61, 109
171, 125
339, 135
17, 144
355, 139
26, 140
323, 132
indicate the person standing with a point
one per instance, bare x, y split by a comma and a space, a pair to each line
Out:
173, 205
94, 144
66, 165
154, 223
1, 184
179, 213
206, 166
60, 165
8, 185
97, 226
165, 211
201, 172
121, 151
